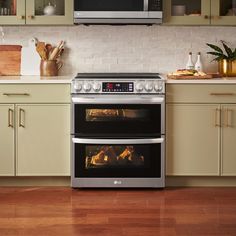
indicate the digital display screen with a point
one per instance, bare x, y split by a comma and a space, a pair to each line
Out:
118, 87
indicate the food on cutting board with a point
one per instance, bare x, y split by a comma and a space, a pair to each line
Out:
187, 72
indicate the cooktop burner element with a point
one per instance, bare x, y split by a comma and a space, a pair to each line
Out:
118, 83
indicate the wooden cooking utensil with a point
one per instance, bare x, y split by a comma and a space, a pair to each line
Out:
42, 51
56, 50
49, 49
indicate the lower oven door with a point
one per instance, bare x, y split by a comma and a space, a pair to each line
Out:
118, 162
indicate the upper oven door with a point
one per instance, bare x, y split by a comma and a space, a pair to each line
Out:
120, 116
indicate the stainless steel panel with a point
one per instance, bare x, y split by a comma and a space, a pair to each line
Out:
117, 141
117, 99
118, 183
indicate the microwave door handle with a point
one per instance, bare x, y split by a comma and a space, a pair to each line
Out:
145, 5
117, 141
110, 100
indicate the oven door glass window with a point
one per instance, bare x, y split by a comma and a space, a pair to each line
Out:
133, 160
119, 120
109, 5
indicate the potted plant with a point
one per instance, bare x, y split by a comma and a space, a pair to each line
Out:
226, 58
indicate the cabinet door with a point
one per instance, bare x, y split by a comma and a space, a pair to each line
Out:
43, 140
193, 140
12, 12
187, 12
223, 12
228, 145
49, 12
7, 166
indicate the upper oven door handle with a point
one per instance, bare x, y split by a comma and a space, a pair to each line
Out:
117, 141
118, 100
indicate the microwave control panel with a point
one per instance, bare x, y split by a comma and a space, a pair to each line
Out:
155, 5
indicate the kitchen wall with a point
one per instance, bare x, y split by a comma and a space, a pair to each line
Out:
126, 48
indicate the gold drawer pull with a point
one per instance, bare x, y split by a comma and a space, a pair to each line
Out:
31, 17
22, 17
229, 114
222, 94
16, 94
10, 118
217, 117
21, 114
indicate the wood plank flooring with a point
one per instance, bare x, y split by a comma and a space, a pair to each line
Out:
43, 211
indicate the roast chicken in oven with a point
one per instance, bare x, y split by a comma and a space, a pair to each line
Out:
114, 156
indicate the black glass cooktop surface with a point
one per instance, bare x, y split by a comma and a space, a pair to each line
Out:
118, 75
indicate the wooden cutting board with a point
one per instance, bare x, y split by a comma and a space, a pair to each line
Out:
30, 60
190, 77
10, 59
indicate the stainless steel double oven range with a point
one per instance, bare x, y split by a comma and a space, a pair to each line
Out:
118, 130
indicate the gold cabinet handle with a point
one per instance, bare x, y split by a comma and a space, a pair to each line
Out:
16, 94
215, 17
22, 17
222, 94
10, 118
206, 17
217, 117
21, 115
229, 114
31, 17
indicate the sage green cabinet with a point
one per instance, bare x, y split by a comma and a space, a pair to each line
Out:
43, 140
32, 12
35, 130
12, 12
192, 140
228, 146
7, 160
200, 12
201, 130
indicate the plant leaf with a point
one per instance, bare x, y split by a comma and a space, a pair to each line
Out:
234, 58
228, 50
217, 54
216, 48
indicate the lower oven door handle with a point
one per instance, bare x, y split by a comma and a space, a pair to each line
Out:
118, 100
118, 141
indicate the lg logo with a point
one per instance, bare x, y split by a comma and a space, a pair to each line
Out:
117, 182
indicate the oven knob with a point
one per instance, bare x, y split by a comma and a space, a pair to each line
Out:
96, 87
77, 86
139, 87
87, 87
158, 86
149, 87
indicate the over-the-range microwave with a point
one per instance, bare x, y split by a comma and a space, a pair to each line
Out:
118, 11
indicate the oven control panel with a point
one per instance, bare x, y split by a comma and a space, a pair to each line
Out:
118, 86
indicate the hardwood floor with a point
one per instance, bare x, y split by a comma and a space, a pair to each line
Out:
63, 211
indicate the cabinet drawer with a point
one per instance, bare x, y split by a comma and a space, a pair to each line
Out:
201, 93
35, 93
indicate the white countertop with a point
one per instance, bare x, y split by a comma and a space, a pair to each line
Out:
225, 80
67, 80
35, 80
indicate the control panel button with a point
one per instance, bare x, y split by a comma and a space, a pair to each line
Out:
139, 87
158, 86
148, 86
87, 87
96, 87
77, 86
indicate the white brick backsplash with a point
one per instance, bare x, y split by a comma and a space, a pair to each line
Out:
126, 48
